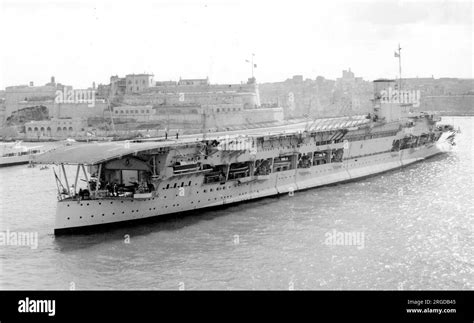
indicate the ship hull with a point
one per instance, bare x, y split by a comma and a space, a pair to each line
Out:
13, 161
75, 216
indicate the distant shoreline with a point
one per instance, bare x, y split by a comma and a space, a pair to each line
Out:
456, 114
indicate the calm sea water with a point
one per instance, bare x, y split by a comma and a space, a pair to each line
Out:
415, 230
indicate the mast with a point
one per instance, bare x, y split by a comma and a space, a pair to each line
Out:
251, 62
203, 123
400, 68
111, 115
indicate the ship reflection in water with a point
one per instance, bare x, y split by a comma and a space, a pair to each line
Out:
404, 229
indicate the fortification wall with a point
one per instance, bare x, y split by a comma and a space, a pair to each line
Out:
449, 104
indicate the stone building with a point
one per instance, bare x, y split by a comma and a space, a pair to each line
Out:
135, 113
20, 96
137, 83
56, 128
194, 81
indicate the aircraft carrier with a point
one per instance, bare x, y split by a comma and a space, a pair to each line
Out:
117, 182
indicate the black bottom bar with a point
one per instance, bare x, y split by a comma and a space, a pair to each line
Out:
449, 306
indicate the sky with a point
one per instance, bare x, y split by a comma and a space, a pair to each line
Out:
85, 41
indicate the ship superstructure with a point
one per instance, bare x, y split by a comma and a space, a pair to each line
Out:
125, 181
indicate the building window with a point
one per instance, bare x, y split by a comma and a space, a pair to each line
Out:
116, 111
70, 129
29, 129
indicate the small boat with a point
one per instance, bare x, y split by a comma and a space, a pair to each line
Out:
18, 155
185, 167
